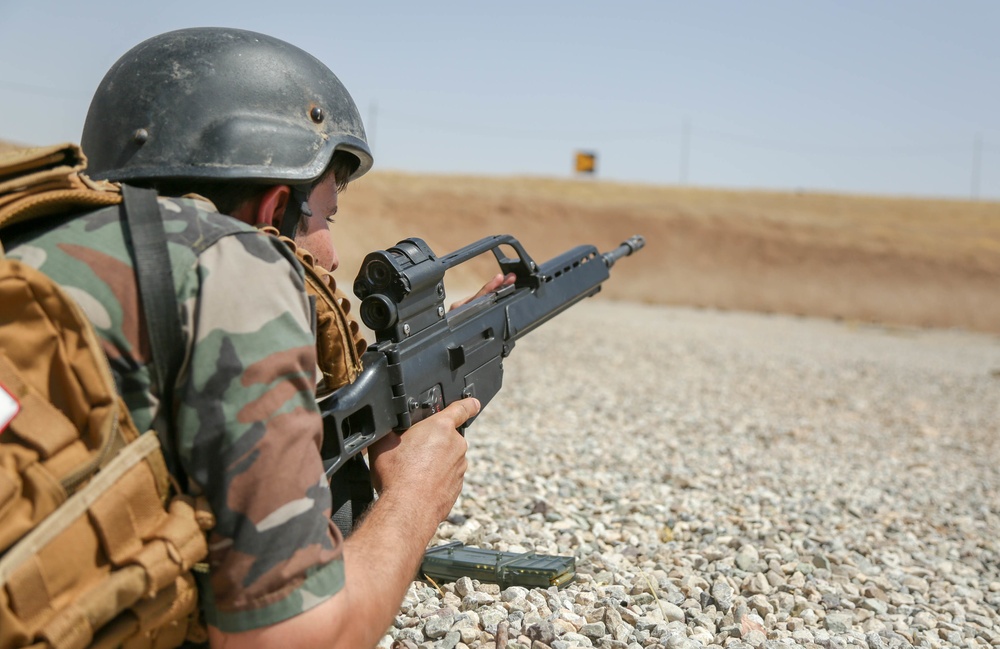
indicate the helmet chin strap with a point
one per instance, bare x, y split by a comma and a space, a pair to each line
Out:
297, 207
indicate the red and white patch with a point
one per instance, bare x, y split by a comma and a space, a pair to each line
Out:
9, 407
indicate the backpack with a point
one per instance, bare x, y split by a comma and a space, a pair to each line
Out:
97, 546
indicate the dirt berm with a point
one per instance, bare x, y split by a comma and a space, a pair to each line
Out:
894, 261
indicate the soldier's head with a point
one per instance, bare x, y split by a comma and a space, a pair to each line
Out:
247, 120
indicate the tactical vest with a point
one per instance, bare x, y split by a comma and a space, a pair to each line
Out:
97, 546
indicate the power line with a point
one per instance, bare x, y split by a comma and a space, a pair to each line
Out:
539, 133
827, 149
646, 135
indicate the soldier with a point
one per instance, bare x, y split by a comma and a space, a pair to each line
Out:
270, 135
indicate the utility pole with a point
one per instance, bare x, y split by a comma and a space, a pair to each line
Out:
685, 145
977, 155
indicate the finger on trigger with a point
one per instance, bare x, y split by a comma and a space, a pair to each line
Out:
470, 407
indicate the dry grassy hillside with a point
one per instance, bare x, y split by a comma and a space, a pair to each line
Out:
928, 263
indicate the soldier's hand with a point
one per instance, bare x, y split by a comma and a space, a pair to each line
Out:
428, 460
499, 280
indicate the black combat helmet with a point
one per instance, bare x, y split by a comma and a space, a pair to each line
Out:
220, 104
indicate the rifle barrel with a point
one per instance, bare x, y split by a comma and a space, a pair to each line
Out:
630, 245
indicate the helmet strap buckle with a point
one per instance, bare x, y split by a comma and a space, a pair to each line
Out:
297, 207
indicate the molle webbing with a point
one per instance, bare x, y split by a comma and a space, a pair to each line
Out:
43, 181
95, 548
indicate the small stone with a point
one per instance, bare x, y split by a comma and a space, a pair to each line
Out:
512, 593
923, 621
722, 593
410, 636
577, 640
628, 615
593, 630
837, 622
877, 606
541, 632
477, 599
916, 584
760, 604
488, 588
622, 632
464, 586
671, 612
755, 638
612, 618
438, 625
747, 558
562, 626
803, 636
469, 634
756, 584
491, 617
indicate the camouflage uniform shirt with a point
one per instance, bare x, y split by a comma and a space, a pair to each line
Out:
247, 427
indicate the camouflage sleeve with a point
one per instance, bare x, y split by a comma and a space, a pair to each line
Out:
250, 434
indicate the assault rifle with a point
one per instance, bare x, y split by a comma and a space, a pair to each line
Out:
426, 357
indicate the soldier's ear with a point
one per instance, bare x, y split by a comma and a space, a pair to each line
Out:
271, 206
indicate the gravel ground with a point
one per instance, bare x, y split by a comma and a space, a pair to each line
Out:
731, 480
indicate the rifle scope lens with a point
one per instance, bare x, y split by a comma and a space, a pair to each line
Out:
378, 273
378, 312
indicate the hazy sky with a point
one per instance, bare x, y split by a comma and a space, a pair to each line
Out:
887, 97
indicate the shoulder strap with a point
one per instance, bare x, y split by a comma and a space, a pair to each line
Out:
351, 490
157, 294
